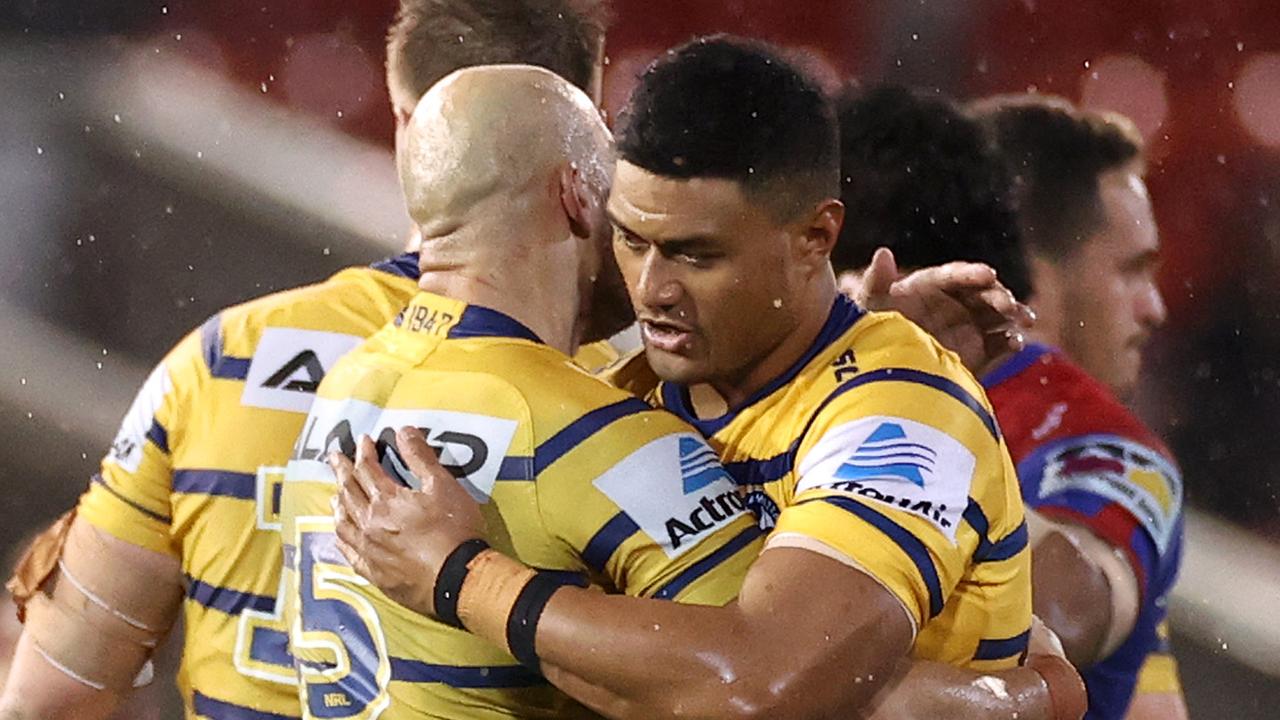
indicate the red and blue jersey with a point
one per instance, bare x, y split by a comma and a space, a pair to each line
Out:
1083, 457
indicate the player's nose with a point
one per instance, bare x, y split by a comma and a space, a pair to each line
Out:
1152, 311
657, 286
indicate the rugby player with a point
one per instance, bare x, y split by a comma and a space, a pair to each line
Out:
866, 448
184, 517
1110, 490
934, 192
181, 526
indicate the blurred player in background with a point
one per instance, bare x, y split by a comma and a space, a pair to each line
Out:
184, 516
1110, 487
866, 447
922, 179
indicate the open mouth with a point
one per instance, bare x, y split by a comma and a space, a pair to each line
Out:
666, 336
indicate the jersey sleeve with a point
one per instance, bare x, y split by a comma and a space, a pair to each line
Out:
885, 476
1122, 490
659, 516
130, 497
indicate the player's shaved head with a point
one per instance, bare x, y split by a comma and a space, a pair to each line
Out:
505, 171
488, 136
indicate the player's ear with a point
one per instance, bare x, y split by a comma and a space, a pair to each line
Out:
820, 232
575, 200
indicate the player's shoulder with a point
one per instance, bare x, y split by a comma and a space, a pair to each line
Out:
559, 391
888, 341
885, 353
356, 300
1048, 398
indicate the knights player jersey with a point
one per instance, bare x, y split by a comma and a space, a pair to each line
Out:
878, 448
573, 476
1083, 457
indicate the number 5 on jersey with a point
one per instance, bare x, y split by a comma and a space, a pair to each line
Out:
338, 644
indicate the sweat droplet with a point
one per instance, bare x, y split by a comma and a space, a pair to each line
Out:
777, 302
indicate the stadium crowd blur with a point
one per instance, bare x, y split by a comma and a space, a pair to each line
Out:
1200, 78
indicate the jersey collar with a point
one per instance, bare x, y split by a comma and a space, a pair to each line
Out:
439, 315
675, 397
1016, 363
404, 265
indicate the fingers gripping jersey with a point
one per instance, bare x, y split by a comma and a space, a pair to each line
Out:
1084, 458
197, 467
573, 475
880, 447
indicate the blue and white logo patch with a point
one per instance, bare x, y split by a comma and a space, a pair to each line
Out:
675, 489
907, 464
887, 453
699, 466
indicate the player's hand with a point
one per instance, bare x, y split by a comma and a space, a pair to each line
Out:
961, 304
1066, 688
396, 537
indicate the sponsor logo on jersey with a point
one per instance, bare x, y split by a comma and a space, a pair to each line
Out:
1128, 473
288, 365
887, 453
895, 461
763, 507
675, 489
469, 445
126, 449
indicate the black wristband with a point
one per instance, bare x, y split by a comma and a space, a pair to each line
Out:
522, 623
449, 582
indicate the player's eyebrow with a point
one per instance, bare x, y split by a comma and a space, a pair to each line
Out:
1149, 258
674, 245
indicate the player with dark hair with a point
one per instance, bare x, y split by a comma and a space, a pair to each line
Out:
1110, 489
866, 448
921, 179
184, 516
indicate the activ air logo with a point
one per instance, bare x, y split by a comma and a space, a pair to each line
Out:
675, 490
910, 465
888, 453
699, 466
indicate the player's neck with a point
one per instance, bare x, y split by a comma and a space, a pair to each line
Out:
1048, 327
786, 353
526, 289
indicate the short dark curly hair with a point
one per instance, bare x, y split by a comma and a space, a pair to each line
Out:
1055, 154
725, 107
920, 178
432, 38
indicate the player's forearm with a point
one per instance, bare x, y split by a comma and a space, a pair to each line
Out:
700, 661
927, 690
631, 657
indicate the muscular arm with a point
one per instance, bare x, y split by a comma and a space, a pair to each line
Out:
99, 652
808, 637
1082, 588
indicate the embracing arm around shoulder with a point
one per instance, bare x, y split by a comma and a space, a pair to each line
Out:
809, 636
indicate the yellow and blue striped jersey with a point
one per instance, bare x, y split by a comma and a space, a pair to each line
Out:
197, 467
573, 475
879, 449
